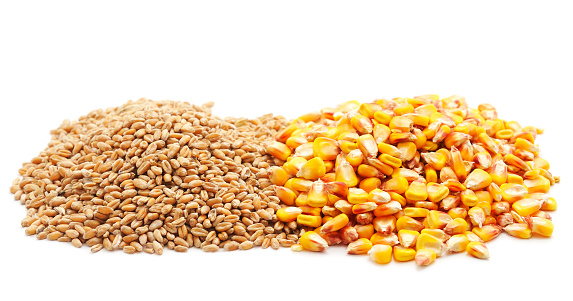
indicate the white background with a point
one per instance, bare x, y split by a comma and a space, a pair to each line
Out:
61, 60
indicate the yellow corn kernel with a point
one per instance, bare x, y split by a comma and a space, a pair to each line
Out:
482, 160
335, 224
325, 148
431, 174
458, 212
454, 185
362, 124
309, 220
401, 123
457, 243
418, 119
533, 174
288, 214
368, 109
499, 172
477, 250
390, 160
526, 145
279, 150
478, 179
528, 206
293, 165
388, 208
487, 232
513, 160
416, 212
347, 146
487, 143
388, 149
512, 192
495, 192
442, 133
396, 184
477, 216
285, 133
359, 246
426, 205
540, 163
504, 134
436, 160
381, 133
421, 139
472, 236
367, 171
370, 184
383, 116
456, 139
397, 197
312, 241
345, 174
384, 224
379, 196
404, 109
317, 195
364, 231
286, 195
417, 191
427, 109
426, 241
430, 146
381, 253
309, 210
301, 185
469, 198
550, 204
364, 207
390, 239
541, 226
456, 226
458, 163
407, 238
312, 169
277, 175
408, 223
437, 219
437, 233
404, 254
301, 199
367, 145
295, 141
541, 184
357, 196
425, 257
355, 157
519, 230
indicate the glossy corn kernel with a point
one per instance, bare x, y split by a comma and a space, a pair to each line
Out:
407, 238
384, 224
417, 191
487, 232
437, 233
478, 179
364, 231
279, 150
309, 220
511, 192
370, 184
293, 165
415, 212
477, 250
357, 196
540, 184
408, 223
364, 207
550, 204
436, 160
436, 192
398, 185
288, 214
317, 195
426, 241
312, 241
361, 124
458, 163
499, 172
457, 243
482, 160
456, 226
458, 212
437, 219
345, 174
359, 246
309, 210
541, 226
287, 196
335, 224
425, 257
404, 254
301, 199
387, 208
325, 148
527, 206
495, 192
477, 216
381, 253
487, 143
378, 196
277, 175
312, 169
383, 116
469, 198
367, 145
454, 185
431, 174
519, 230
355, 157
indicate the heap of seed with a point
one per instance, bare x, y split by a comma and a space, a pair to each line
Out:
148, 175
411, 178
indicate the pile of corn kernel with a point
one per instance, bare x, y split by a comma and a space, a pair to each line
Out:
411, 178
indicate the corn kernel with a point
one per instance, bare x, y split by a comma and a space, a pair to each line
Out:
311, 241
426, 241
370, 184
404, 254
457, 243
417, 191
309, 220
398, 185
357, 196
528, 206
425, 257
312, 169
335, 224
477, 250
415, 212
408, 223
513, 192
279, 150
541, 226
381, 253
519, 230
407, 238
487, 232
456, 226
286, 195
478, 179
359, 246
288, 214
